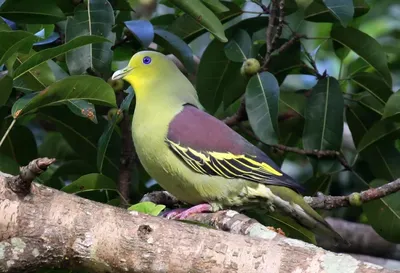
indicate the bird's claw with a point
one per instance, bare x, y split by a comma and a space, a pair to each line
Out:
182, 214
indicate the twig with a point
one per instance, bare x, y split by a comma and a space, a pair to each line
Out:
328, 202
239, 116
120, 42
128, 156
279, 27
262, 6
289, 43
270, 29
21, 184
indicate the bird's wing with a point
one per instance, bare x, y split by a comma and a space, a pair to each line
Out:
208, 146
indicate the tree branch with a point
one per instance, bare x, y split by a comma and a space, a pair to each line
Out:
239, 116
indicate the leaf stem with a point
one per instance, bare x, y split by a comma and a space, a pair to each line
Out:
7, 132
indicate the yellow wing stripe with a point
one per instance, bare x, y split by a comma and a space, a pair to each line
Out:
224, 164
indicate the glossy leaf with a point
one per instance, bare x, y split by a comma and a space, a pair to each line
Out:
366, 47
82, 87
47, 54
83, 108
215, 5
7, 165
384, 214
343, 10
262, 97
318, 12
239, 46
147, 208
392, 108
323, 127
6, 84
90, 182
96, 17
374, 84
176, 46
370, 102
142, 30
32, 12
187, 27
384, 130
13, 42
203, 16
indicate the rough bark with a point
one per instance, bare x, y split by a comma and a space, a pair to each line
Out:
49, 228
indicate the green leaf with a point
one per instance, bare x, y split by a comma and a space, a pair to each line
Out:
239, 46
384, 214
31, 12
381, 131
317, 184
83, 108
147, 208
318, 12
6, 83
392, 108
203, 16
55, 146
262, 97
188, 28
215, 5
90, 182
94, 18
370, 102
75, 87
13, 42
343, 10
374, 85
366, 47
323, 129
292, 101
8, 165
176, 46
47, 54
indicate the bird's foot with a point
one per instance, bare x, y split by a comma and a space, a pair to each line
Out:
182, 214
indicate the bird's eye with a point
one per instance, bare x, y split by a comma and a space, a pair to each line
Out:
147, 60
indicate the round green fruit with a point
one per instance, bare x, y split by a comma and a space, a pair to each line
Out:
117, 85
250, 67
115, 111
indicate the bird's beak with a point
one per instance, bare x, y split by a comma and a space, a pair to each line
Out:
119, 74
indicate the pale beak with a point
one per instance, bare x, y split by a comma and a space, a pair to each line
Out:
119, 74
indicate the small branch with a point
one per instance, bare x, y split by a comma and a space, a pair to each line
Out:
279, 28
270, 29
262, 6
120, 43
239, 116
21, 184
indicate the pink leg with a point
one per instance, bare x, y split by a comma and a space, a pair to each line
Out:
172, 213
195, 209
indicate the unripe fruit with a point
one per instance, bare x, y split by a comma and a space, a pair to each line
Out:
115, 111
117, 85
250, 67
355, 199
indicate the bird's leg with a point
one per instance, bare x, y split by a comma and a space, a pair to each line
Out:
193, 210
172, 213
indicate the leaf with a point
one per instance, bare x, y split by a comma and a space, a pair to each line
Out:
7, 165
94, 18
215, 5
262, 97
239, 46
55, 146
323, 128
31, 12
392, 108
343, 10
90, 182
6, 83
384, 214
142, 30
368, 101
203, 16
381, 131
187, 27
176, 46
83, 108
317, 184
49, 40
318, 12
292, 101
374, 84
147, 208
366, 47
82, 87
42, 56
13, 42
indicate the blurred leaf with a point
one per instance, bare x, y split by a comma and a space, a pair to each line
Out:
292, 101
384, 214
163, 20
32, 12
340, 50
13, 42
343, 10
215, 5
49, 40
367, 100
359, 65
188, 28
318, 12
147, 208
317, 184
177, 47
83, 108
55, 146
366, 47
392, 108
203, 16
6, 83
75, 87
90, 182
239, 46
383, 130
95, 18
7, 165
142, 30
374, 85
42, 56
262, 97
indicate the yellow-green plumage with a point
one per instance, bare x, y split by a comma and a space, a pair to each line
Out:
197, 158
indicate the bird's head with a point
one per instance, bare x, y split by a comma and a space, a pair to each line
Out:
145, 67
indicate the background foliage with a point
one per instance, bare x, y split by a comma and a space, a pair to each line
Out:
330, 85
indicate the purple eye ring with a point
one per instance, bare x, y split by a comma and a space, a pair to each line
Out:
147, 60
